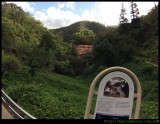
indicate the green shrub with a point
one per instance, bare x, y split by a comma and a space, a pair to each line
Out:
148, 69
11, 63
61, 67
89, 71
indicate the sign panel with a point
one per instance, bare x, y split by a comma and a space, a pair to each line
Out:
115, 97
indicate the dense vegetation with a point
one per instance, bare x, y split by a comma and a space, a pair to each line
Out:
83, 28
54, 96
50, 80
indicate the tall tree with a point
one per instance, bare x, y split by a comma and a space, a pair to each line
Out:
122, 18
135, 20
134, 10
123, 21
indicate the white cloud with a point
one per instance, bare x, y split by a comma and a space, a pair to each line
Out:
55, 18
144, 7
108, 12
103, 12
40, 15
69, 5
25, 6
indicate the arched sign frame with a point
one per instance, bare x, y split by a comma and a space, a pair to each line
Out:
100, 76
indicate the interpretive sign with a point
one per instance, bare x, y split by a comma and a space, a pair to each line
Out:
118, 88
115, 97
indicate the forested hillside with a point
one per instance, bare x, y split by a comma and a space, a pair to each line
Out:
51, 80
26, 40
150, 33
140, 36
80, 29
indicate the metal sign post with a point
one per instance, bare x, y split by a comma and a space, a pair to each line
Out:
115, 94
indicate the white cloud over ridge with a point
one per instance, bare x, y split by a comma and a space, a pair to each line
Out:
55, 17
106, 13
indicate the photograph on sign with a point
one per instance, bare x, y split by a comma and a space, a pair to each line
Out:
116, 87
115, 97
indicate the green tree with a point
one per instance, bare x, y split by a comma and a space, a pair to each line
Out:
124, 26
122, 18
48, 41
43, 56
8, 37
134, 10
84, 36
11, 63
113, 50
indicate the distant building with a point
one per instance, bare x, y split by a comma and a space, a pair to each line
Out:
84, 49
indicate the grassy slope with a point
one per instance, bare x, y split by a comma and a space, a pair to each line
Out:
54, 96
50, 96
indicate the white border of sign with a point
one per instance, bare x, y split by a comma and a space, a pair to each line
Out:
100, 76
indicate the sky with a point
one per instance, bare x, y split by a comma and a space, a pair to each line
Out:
60, 14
